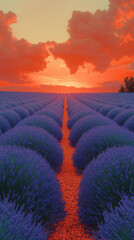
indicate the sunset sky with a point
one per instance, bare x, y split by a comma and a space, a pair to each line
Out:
66, 45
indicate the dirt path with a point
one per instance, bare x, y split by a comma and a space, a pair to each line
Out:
69, 228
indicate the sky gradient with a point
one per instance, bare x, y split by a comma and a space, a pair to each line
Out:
49, 45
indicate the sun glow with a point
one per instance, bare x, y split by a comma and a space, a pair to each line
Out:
96, 52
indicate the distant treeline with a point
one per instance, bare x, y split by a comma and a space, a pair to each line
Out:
129, 85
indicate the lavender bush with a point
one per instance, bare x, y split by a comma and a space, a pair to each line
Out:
75, 109
78, 116
44, 122
84, 124
105, 109
56, 108
119, 222
21, 111
98, 107
12, 117
27, 179
122, 117
106, 179
14, 225
38, 140
130, 123
112, 113
4, 124
51, 113
97, 140
29, 108
128, 106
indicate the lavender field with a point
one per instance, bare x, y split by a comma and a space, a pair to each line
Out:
33, 202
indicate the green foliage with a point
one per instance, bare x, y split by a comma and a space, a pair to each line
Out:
129, 85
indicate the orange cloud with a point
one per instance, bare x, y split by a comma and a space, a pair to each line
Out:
99, 38
99, 53
18, 57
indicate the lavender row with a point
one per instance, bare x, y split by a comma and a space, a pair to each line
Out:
76, 110
122, 114
119, 222
48, 118
54, 110
28, 181
106, 181
92, 134
16, 226
30, 154
104, 154
115, 99
13, 99
37, 133
11, 117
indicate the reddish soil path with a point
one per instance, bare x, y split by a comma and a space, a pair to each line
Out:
70, 227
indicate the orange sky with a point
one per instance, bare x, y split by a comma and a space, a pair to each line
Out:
93, 51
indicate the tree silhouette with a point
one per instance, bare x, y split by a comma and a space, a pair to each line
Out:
129, 85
